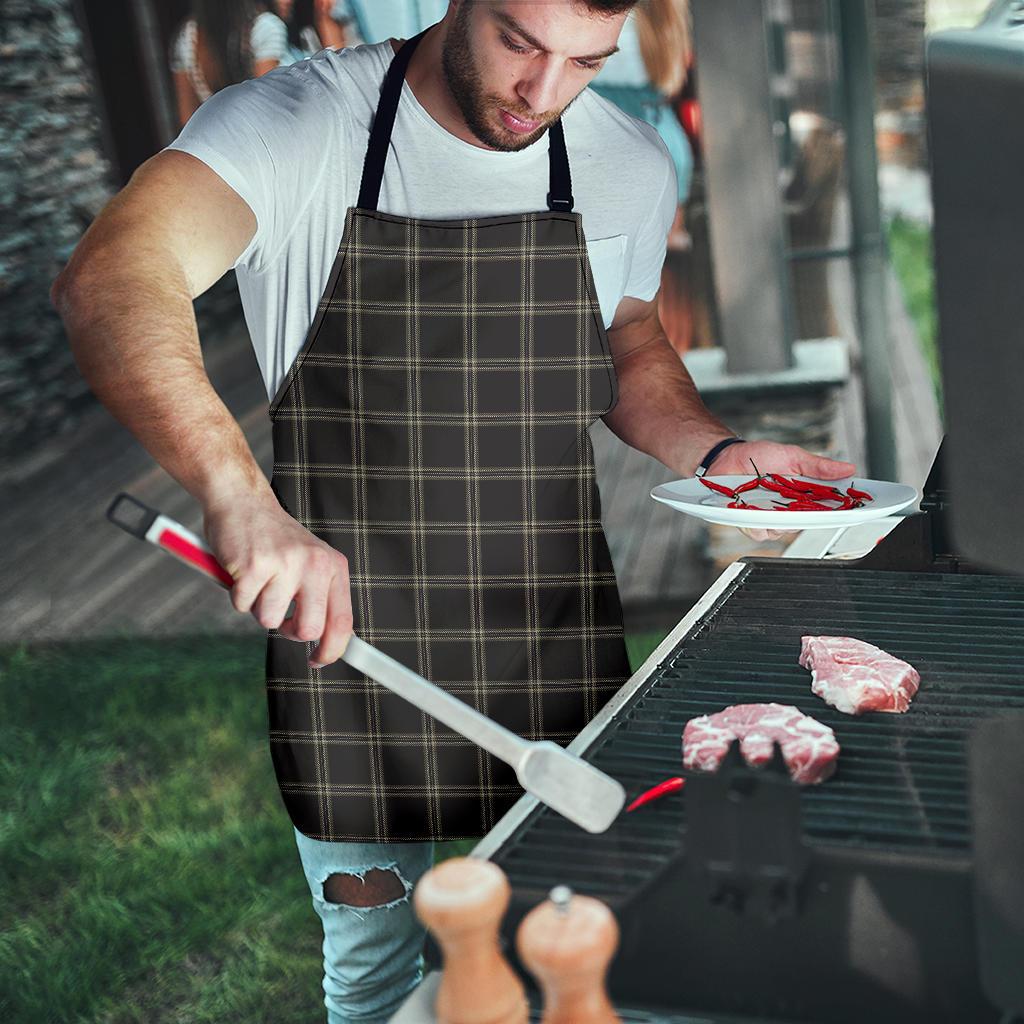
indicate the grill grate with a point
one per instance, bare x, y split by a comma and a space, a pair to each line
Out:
901, 784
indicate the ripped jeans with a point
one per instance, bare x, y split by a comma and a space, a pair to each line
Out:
373, 954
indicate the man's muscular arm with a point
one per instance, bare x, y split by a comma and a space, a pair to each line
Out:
660, 412
126, 301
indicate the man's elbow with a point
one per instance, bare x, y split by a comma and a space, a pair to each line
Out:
59, 291
72, 287
66, 297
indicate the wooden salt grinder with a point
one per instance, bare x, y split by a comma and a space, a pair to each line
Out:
462, 901
567, 943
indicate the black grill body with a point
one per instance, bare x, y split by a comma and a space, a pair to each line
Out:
847, 901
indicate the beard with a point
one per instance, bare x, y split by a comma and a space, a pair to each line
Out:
478, 107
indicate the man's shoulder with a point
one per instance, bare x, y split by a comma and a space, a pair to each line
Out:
619, 136
317, 94
338, 71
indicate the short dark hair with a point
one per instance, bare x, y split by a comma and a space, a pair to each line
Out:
608, 7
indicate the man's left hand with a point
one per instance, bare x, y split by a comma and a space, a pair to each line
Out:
771, 457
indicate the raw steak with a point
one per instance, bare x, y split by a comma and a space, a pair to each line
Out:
808, 747
855, 677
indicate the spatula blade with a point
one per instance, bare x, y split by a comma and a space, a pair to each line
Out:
567, 784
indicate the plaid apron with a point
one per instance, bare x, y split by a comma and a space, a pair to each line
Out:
433, 428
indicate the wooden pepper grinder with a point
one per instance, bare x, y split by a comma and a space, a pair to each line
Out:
462, 901
567, 943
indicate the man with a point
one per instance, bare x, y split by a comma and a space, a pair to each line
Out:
433, 484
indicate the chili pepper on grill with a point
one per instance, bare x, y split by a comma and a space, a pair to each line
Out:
720, 488
668, 786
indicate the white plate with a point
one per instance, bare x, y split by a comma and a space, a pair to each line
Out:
693, 498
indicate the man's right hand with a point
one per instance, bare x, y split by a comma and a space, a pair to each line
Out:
273, 560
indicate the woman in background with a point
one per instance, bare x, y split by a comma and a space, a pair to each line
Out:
313, 25
648, 73
221, 43
644, 78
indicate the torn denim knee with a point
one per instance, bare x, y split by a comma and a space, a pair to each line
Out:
361, 911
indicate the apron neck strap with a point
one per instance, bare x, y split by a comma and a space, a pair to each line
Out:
559, 197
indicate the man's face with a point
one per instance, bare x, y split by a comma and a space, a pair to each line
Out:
513, 66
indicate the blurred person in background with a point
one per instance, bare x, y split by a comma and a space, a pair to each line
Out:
375, 20
314, 25
645, 79
221, 43
647, 75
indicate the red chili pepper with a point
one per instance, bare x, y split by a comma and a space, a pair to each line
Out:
750, 485
807, 506
863, 495
787, 492
668, 786
809, 487
717, 487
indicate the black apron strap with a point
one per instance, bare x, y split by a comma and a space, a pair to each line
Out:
383, 122
560, 196
560, 185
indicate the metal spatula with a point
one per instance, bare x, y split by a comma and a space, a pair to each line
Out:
564, 782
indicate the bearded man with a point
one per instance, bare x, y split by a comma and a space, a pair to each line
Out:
448, 252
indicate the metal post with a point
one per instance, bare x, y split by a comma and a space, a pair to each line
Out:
857, 71
742, 173
154, 64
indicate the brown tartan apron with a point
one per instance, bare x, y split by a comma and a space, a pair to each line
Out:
433, 429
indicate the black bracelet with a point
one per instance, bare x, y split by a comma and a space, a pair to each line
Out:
705, 463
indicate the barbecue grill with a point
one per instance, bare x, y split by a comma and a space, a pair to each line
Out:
895, 890
747, 896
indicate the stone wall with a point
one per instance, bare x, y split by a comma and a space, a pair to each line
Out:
53, 180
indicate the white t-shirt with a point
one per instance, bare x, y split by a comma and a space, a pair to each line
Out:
292, 144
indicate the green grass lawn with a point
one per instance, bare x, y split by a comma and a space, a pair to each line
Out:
910, 248
149, 871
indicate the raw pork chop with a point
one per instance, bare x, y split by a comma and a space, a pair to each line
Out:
855, 677
808, 747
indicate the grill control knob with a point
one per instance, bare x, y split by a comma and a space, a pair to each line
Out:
462, 902
567, 943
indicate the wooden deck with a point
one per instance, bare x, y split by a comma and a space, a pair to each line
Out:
69, 573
